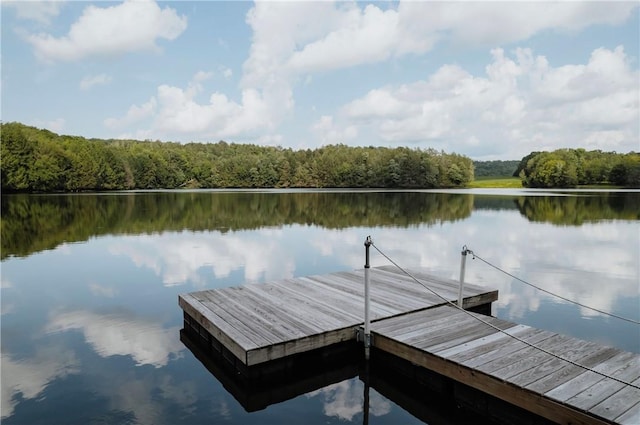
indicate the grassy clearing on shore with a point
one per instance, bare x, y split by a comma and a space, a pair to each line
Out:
497, 182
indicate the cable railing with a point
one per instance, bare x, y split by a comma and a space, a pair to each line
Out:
465, 251
606, 313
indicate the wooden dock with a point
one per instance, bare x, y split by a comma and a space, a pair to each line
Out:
260, 324
453, 343
267, 321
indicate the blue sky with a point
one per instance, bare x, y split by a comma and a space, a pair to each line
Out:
490, 80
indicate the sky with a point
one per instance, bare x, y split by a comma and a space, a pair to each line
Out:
489, 80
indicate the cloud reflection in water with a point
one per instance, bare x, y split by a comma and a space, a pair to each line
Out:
147, 342
28, 377
345, 400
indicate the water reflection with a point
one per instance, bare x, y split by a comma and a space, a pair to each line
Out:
347, 389
26, 378
346, 399
146, 341
178, 258
34, 223
90, 282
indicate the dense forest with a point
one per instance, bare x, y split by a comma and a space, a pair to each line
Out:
35, 160
495, 168
573, 167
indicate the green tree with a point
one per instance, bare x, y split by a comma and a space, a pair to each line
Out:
17, 154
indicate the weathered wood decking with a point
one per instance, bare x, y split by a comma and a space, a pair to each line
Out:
454, 344
259, 323
263, 322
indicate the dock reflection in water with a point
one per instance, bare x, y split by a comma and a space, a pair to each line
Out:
428, 396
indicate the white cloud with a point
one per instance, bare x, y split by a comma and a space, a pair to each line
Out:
127, 27
298, 23
365, 36
176, 111
93, 80
40, 11
521, 100
318, 37
226, 72
378, 103
146, 341
488, 23
329, 133
518, 99
202, 76
134, 115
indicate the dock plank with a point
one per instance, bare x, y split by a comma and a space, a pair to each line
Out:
483, 343
545, 368
568, 372
618, 403
227, 323
400, 325
280, 327
470, 335
524, 358
631, 416
569, 389
418, 322
379, 306
239, 327
606, 387
342, 305
236, 343
245, 312
466, 333
288, 307
506, 348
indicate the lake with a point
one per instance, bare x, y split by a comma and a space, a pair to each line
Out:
91, 326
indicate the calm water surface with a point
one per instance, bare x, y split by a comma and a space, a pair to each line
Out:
90, 321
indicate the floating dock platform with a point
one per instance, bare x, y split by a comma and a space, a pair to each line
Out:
267, 321
257, 324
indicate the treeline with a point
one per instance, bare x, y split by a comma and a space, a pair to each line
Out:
495, 168
565, 168
35, 160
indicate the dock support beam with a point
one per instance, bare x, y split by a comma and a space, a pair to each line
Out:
367, 299
463, 264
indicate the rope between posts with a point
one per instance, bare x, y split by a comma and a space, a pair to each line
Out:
606, 313
497, 328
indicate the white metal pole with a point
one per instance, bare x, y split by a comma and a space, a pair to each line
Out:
367, 300
463, 264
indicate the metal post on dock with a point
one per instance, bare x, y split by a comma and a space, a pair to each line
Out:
367, 334
463, 264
